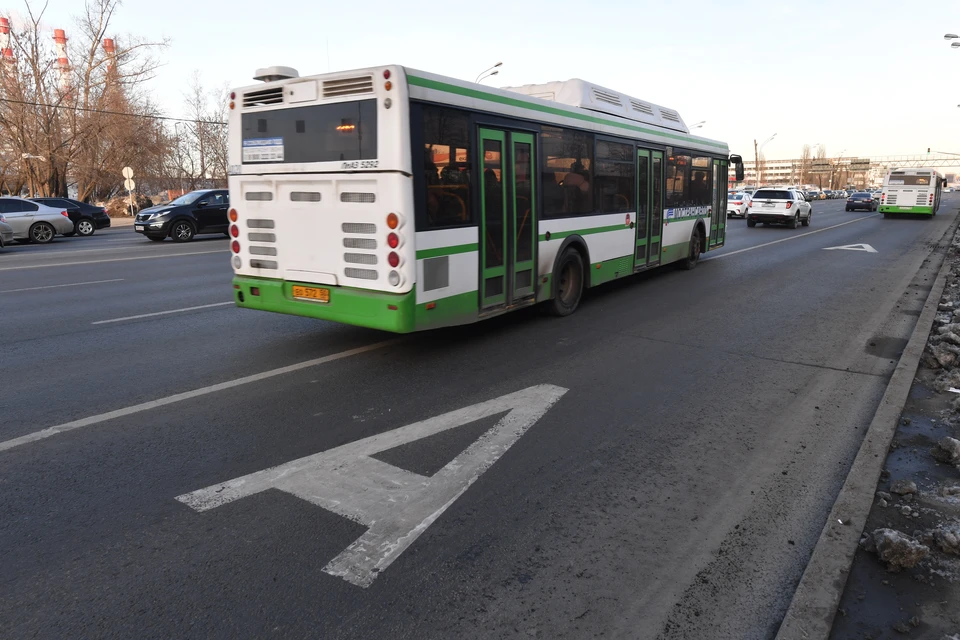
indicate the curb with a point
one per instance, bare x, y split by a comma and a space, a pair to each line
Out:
815, 601
121, 222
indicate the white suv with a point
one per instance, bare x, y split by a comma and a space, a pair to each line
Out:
779, 206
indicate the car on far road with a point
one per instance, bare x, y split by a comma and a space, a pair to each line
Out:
34, 221
811, 195
6, 232
86, 218
831, 195
738, 204
843, 194
861, 200
203, 211
779, 206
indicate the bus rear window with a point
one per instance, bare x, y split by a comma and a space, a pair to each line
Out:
923, 181
318, 133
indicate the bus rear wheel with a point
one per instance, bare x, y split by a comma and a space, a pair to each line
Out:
569, 283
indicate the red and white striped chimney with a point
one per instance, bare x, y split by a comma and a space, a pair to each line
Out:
60, 37
5, 48
111, 49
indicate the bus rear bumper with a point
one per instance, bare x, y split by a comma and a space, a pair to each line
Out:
359, 307
925, 211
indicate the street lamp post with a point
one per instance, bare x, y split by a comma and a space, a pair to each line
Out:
481, 75
756, 158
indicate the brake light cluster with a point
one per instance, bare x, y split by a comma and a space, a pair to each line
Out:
387, 102
64, 214
235, 233
789, 203
394, 241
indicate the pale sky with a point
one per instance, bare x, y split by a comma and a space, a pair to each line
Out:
865, 78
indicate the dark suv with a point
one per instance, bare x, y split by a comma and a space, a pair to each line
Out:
203, 211
86, 218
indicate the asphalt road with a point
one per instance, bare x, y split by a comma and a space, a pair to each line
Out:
665, 471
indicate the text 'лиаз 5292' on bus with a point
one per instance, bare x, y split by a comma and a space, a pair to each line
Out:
402, 200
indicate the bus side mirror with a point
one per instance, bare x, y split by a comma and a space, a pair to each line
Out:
737, 166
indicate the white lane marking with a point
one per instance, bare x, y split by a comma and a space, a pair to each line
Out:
802, 235
163, 313
57, 286
186, 395
395, 504
71, 264
853, 247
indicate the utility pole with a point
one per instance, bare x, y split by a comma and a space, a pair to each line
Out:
756, 165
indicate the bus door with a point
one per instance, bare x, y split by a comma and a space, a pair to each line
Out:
649, 208
508, 217
718, 204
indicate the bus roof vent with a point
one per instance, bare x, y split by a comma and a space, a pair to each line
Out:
642, 107
605, 96
347, 86
264, 97
669, 114
586, 95
271, 74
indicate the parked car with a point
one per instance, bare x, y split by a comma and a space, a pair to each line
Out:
6, 232
34, 221
779, 206
203, 211
843, 194
861, 200
810, 196
86, 218
738, 204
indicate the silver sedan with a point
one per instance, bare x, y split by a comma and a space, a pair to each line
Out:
6, 232
34, 222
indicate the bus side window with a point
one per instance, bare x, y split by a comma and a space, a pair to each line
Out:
447, 152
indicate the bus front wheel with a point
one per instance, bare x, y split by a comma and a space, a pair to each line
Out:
569, 283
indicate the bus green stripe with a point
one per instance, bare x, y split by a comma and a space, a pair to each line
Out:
446, 251
513, 102
560, 235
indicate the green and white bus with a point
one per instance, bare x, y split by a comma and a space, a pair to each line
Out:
402, 200
913, 191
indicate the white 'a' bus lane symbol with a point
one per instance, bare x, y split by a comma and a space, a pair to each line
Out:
395, 504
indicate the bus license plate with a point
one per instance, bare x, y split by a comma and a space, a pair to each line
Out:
314, 294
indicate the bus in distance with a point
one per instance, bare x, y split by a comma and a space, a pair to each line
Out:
402, 200
911, 191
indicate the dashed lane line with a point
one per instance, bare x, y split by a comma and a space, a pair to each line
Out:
163, 313
58, 286
802, 235
187, 395
71, 264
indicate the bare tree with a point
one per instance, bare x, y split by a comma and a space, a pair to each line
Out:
202, 142
85, 127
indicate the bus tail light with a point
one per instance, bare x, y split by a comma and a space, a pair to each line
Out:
235, 246
237, 263
388, 85
233, 215
393, 259
393, 221
234, 231
393, 240
394, 279
386, 74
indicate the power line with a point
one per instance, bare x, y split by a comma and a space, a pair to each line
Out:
112, 113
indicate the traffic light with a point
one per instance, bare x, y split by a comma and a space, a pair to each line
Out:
928, 149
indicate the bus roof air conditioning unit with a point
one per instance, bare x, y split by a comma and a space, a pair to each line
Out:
272, 74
